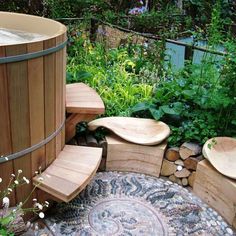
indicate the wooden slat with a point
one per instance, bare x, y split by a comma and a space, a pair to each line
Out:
19, 115
64, 92
73, 157
70, 172
36, 106
58, 93
82, 99
57, 186
83, 168
49, 88
67, 174
5, 137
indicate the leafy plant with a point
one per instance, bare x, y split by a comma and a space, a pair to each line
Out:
114, 73
198, 102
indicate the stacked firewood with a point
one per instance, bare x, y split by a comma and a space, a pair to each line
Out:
180, 164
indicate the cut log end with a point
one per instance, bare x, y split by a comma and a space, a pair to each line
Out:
189, 149
172, 154
184, 173
168, 168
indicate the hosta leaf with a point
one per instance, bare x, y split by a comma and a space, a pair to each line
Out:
157, 114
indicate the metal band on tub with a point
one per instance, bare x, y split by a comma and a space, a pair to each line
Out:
32, 55
26, 151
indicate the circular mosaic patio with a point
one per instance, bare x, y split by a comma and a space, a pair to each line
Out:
129, 204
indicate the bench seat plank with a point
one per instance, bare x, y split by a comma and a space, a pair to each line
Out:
70, 172
82, 99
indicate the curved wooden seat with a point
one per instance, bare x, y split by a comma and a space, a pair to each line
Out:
135, 130
82, 104
221, 152
70, 172
82, 99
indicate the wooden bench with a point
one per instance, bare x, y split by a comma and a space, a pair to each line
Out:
82, 104
74, 167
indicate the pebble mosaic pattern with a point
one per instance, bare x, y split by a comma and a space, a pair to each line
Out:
129, 204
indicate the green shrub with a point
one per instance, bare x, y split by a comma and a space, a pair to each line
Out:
197, 102
114, 73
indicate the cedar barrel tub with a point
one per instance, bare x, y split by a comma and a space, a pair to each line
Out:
32, 99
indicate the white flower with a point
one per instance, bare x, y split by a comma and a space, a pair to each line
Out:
6, 158
34, 199
41, 215
28, 224
20, 171
5, 202
36, 172
0, 180
26, 180
46, 203
13, 175
9, 189
20, 204
16, 182
40, 179
40, 207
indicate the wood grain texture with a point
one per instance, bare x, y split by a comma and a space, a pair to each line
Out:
188, 149
216, 190
36, 106
82, 99
125, 156
222, 155
70, 172
49, 102
83, 104
59, 83
5, 135
30, 97
63, 133
17, 74
135, 130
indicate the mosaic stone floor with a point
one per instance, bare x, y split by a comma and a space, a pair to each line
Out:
128, 204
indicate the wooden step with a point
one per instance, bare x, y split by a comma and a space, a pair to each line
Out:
82, 99
82, 104
69, 174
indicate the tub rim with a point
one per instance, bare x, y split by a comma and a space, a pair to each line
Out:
26, 22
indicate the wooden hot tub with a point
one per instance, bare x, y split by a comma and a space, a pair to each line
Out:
32, 98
